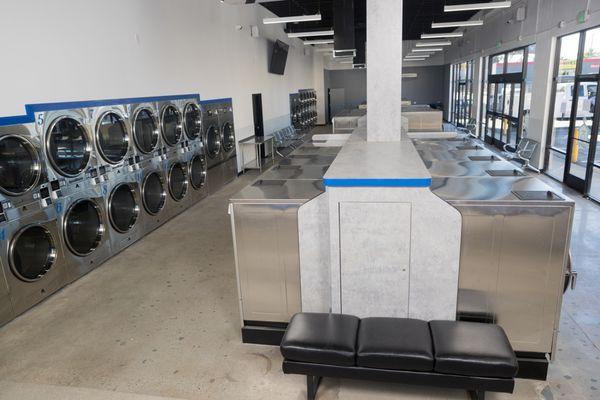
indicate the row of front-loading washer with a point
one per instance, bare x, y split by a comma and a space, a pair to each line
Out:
80, 185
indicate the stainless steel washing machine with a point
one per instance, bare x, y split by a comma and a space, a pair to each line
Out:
230, 171
83, 222
213, 146
32, 256
197, 171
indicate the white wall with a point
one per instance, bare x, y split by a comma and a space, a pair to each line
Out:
541, 26
68, 50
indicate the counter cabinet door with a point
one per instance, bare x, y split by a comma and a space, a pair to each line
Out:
268, 261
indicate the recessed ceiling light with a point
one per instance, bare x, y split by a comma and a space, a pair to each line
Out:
475, 22
431, 44
409, 75
287, 20
441, 35
416, 59
324, 41
480, 6
427, 50
309, 34
418, 55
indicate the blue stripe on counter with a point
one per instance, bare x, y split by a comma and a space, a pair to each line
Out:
375, 182
31, 109
211, 101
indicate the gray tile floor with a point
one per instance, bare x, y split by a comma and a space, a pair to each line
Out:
160, 321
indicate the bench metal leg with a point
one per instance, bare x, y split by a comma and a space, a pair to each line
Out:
312, 385
477, 394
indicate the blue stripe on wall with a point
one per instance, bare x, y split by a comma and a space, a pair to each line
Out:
397, 182
211, 101
31, 109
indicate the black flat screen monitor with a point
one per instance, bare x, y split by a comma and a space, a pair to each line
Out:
278, 58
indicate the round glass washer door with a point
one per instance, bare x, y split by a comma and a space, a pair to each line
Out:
192, 121
145, 133
68, 146
32, 253
112, 137
123, 209
228, 137
19, 165
177, 181
171, 125
213, 142
83, 227
153, 193
197, 172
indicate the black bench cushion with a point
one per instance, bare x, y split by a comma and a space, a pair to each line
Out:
321, 338
394, 343
471, 348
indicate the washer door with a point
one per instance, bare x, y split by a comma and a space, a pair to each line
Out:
228, 137
177, 181
153, 193
192, 121
19, 165
197, 172
171, 125
83, 227
68, 146
112, 137
32, 253
213, 142
145, 133
123, 209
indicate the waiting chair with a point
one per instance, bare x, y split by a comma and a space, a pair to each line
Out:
522, 153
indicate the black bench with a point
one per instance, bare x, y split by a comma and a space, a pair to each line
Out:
473, 356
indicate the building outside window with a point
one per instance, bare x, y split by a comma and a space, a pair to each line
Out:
462, 93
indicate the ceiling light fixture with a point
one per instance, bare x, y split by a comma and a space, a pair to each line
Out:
481, 6
287, 20
429, 44
456, 24
416, 59
309, 34
417, 56
427, 50
409, 75
441, 35
325, 41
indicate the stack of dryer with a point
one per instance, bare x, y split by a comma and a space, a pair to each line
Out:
219, 138
31, 257
80, 185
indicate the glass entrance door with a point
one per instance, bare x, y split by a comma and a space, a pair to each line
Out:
582, 131
572, 155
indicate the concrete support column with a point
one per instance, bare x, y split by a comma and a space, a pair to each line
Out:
384, 70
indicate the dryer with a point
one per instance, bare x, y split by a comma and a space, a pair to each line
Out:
69, 149
123, 205
145, 130
177, 176
83, 223
171, 123
31, 255
22, 166
230, 171
213, 146
153, 194
197, 171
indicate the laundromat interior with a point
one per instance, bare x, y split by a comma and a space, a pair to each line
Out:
299, 199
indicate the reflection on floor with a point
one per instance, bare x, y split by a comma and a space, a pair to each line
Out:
161, 320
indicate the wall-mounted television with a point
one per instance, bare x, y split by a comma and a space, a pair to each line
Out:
278, 58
